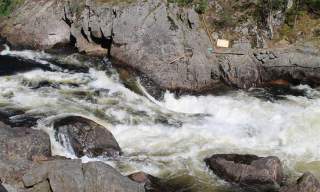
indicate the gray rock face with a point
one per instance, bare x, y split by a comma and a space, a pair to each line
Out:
23, 143
63, 175
101, 177
249, 171
258, 67
73, 176
39, 23
11, 171
163, 41
306, 183
85, 137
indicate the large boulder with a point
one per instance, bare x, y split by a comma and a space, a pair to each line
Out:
165, 42
85, 137
23, 143
40, 23
73, 176
249, 171
306, 183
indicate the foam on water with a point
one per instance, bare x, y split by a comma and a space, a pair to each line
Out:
172, 137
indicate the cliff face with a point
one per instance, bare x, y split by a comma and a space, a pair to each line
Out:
166, 42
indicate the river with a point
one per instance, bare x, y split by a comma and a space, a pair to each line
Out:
169, 138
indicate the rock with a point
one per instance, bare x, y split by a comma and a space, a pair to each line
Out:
41, 187
10, 65
12, 171
306, 183
85, 137
249, 171
164, 42
63, 175
2, 189
73, 176
100, 176
17, 147
151, 183
40, 24
23, 143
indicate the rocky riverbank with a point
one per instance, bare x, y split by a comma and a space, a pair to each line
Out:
169, 47
26, 165
164, 41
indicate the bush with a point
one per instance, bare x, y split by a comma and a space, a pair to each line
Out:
314, 5
7, 6
200, 5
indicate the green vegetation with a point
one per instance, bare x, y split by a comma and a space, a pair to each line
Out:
301, 22
7, 6
314, 6
226, 18
200, 6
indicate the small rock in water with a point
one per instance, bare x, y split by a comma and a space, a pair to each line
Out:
249, 171
86, 137
151, 183
306, 183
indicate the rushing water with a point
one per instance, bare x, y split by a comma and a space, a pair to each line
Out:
170, 138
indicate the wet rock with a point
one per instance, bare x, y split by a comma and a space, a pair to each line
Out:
11, 65
306, 183
23, 143
249, 171
85, 137
2, 189
151, 183
17, 117
73, 176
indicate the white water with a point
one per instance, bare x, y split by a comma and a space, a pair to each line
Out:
196, 127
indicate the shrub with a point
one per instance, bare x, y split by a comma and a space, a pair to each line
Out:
200, 5
314, 5
7, 6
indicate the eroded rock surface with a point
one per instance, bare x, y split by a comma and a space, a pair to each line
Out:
249, 171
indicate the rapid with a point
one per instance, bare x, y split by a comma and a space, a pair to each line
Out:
168, 138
